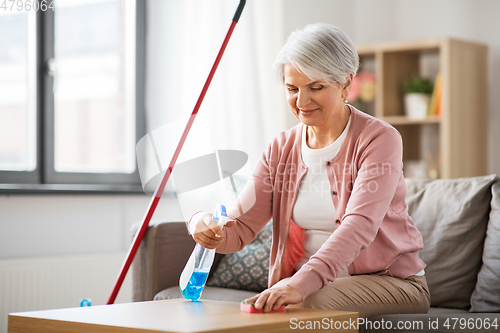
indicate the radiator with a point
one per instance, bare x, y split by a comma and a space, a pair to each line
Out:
59, 282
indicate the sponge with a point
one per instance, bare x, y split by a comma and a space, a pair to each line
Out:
250, 308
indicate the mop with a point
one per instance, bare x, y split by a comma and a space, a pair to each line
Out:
159, 191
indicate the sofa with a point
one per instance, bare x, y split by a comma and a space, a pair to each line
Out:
460, 223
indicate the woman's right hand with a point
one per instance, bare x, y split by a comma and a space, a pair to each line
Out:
205, 230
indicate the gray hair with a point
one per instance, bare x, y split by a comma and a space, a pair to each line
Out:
321, 51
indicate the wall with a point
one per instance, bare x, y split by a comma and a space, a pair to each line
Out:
60, 248
48, 225
381, 20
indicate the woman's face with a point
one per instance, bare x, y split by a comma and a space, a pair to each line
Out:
314, 103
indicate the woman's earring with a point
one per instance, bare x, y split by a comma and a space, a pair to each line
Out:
345, 100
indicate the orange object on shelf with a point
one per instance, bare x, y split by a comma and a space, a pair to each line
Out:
435, 105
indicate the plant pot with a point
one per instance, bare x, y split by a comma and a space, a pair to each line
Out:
416, 105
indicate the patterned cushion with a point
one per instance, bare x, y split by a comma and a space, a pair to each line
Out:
247, 269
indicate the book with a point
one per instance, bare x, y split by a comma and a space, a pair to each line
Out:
435, 104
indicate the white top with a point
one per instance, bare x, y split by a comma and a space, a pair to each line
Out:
314, 210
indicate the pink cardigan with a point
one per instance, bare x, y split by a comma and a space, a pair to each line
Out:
375, 234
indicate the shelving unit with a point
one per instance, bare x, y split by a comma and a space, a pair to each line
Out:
454, 143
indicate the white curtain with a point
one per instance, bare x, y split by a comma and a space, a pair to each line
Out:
245, 106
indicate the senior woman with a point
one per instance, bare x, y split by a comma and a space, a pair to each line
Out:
334, 186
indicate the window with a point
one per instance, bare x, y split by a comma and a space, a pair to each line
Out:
71, 96
17, 89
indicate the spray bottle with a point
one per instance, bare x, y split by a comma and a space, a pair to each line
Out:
194, 275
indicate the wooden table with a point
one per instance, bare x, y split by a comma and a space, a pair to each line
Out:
178, 315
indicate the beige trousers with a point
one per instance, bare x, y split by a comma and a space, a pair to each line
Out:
371, 295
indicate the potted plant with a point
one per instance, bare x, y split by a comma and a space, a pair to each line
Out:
417, 95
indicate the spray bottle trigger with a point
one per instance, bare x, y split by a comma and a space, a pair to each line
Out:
220, 215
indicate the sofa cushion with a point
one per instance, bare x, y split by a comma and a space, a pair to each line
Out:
486, 296
452, 215
154, 267
247, 269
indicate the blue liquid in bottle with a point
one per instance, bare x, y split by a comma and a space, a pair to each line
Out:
194, 276
195, 286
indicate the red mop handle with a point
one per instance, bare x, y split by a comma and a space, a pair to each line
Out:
159, 191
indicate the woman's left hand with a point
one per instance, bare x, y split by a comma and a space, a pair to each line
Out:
273, 298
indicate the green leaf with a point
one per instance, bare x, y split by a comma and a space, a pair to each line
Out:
417, 84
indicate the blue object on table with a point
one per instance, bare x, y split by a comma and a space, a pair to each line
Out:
85, 302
